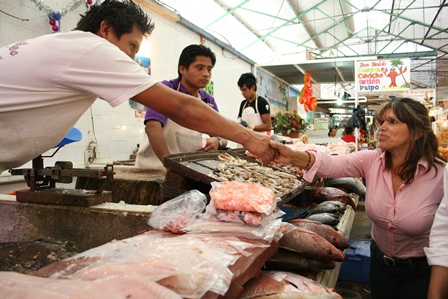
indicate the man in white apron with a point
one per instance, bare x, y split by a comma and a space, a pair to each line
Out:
167, 137
254, 110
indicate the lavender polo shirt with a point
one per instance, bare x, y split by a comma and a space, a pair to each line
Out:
173, 84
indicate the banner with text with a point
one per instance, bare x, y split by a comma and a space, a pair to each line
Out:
383, 75
426, 96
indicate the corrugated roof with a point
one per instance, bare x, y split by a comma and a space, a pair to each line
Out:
282, 35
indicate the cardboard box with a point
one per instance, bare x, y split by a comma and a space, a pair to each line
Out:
356, 267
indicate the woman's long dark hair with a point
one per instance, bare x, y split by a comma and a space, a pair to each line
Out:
416, 116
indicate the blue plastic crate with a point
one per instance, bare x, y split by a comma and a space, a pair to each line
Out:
356, 266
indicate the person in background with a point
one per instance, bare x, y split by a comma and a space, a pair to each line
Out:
95, 60
332, 132
371, 146
437, 252
255, 111
348, 135
194, 73
404, 178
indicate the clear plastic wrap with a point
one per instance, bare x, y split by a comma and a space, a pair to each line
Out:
188, 264
240, 196
175, 214
241, 217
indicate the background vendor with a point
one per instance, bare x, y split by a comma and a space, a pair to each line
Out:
255, 111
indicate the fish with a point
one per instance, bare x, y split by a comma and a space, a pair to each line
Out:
325, 218
323, 230
311, 245
321, 194
329, 207
350, 185
125, 285
233, 168
294, 262
285, 285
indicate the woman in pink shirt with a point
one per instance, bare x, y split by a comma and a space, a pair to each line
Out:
404, 184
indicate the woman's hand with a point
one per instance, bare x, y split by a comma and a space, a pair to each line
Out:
283, 153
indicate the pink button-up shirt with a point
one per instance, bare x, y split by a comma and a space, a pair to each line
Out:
400, 223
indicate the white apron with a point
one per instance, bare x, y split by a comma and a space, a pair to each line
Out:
178, 139
250, 116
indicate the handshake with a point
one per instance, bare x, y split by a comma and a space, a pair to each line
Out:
245, 124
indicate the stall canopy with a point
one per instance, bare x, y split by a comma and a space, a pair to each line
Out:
283, 36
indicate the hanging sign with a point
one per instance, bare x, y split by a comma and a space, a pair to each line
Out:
382, 75
425, 96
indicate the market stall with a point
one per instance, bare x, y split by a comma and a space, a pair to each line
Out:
251, 242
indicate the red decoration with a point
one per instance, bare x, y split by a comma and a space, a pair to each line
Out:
306, 97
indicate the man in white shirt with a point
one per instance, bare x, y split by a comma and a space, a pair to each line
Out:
437, 253
39, 105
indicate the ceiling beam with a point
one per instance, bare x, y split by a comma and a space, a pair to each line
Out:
433, 20
297, 17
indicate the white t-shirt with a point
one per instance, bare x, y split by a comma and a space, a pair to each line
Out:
47, 83
437, 252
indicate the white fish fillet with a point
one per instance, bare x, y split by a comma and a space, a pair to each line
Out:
20, 286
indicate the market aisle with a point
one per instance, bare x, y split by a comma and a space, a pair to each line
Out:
361, 232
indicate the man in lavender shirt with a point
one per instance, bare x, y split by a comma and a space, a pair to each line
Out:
164, 136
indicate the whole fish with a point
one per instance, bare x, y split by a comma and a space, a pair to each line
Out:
329, 207
325, 218
310, 244
335, 203
323, 230
350, 185
294, 262
321, 194
285, 285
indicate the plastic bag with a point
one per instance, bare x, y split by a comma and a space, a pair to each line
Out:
239, 196
241, 217
175, 214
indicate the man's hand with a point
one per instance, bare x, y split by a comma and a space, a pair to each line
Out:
259, 146
212, 144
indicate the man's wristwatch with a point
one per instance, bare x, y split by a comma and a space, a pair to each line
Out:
219, 142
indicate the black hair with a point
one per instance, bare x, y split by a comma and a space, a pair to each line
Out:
247, 79
121, 15
348, 130
189, 54
329, 131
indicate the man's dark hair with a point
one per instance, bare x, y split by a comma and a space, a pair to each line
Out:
121, 15
189, 54
348, 130
247, 79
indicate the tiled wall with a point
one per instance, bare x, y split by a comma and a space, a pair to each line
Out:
117, 131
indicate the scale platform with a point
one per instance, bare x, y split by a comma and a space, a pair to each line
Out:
68, 197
